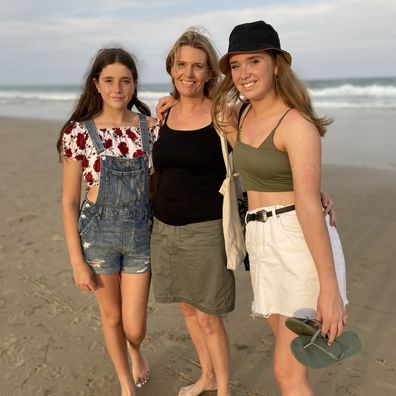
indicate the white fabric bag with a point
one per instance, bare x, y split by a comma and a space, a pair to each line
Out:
232, 227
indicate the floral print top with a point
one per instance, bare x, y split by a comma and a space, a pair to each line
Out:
124, 142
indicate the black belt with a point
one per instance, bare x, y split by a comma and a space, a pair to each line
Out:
262, 215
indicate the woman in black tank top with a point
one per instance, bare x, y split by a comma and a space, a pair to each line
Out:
187, 245
287, 238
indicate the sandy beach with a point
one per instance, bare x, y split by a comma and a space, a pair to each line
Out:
50, 335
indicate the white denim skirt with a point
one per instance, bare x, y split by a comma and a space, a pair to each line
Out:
283, 273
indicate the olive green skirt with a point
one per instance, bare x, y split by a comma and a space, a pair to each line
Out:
188, 264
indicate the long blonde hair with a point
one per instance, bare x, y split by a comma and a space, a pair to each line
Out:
288, 86
194, 38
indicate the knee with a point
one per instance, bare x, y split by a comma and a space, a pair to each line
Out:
135, 334
209, 324
288, 381
111, 319
187, 309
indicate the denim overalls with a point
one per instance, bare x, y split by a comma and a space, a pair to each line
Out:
115, 230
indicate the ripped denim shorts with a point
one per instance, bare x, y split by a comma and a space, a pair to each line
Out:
115, 240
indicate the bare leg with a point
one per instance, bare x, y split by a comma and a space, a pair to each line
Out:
211, 343
135, 292
292, 377
207, 381
109, 299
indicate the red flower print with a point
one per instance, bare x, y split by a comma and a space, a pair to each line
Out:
138, 153
68, 130
118, 131
68, 153
107, 143
85, 163
96, 165
80, 157
123, 147
131, 135
80, 141
89, 178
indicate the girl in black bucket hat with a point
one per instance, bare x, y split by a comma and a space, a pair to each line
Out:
296, 261
252, 37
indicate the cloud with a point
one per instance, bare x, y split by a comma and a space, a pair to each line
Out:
53, 42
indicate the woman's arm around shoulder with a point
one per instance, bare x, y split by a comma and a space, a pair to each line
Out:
163, 105
229, 120
154, 127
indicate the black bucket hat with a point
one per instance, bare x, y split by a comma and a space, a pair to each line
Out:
252, 37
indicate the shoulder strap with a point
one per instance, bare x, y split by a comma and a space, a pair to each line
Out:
279, 122
226, 157
144, 131
240, 120
241, 110
269, 140
93, 133
166, 116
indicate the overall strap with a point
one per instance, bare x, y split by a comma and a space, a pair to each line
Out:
144, 131
93, 133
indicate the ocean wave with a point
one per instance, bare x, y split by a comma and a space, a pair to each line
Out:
353, 105
21, 96
329, 94
349, 90
152, 95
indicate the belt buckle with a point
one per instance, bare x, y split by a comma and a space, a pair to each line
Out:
262, 216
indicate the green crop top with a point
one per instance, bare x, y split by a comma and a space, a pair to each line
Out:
265, 168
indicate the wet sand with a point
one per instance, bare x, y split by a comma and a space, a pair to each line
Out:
50, 334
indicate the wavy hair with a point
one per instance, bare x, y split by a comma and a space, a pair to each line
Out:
90, 102
194, 38
288, 86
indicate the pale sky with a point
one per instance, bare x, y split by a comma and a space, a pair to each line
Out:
54, 41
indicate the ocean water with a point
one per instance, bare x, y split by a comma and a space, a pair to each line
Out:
364, 113
57, 101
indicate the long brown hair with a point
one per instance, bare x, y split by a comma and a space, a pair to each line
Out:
288, 86
90, 102
193, 38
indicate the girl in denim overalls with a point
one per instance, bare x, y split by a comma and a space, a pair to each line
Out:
108, 234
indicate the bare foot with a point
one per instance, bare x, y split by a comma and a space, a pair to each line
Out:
199, 387
127, 390
140, 369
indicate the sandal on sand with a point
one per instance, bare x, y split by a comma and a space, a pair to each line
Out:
303, 326
313, 351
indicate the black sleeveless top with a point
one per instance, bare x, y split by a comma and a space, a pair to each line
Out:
191, 170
